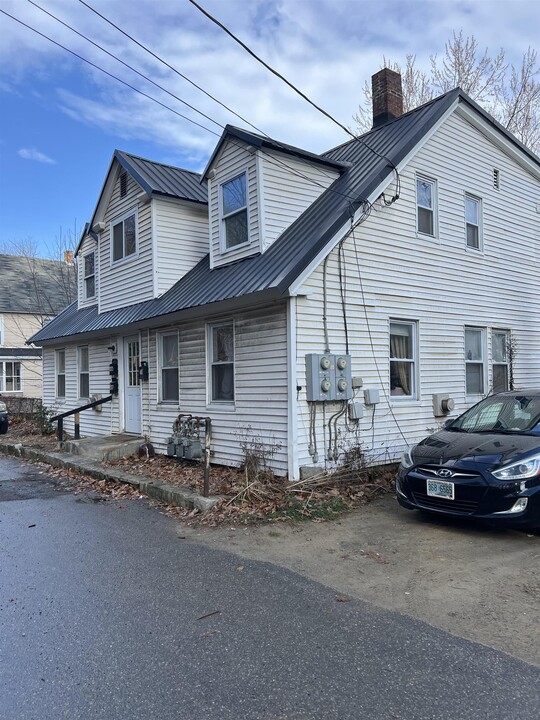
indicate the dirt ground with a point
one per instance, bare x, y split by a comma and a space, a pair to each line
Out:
479, 583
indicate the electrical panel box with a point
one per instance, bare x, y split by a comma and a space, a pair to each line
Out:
356, 411
343, 382
328, 377
320, 377
371, 396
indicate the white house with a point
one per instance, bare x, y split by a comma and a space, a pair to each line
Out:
313, 302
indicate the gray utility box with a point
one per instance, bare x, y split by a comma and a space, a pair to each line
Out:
328, 377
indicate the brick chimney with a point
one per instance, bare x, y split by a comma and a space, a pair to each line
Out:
387, 96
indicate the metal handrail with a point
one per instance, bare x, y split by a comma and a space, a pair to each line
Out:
59, 419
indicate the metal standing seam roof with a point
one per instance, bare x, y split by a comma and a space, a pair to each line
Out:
271, 274
160, 179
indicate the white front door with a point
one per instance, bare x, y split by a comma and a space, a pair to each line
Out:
132, 385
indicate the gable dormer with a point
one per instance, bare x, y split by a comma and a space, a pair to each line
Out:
257, 187
151, 224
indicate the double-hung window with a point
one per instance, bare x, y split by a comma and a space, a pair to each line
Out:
500, 344
60, 373
473, 225
84, 372
234, 214
402, 359
124, 237
10, 376
89, 269
221, 362
475, 361
426, 209
168, 358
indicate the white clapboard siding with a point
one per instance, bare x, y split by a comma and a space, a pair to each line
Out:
181, 237
234, 159
91, 422
131, 280
436, 282
260, 410
88, 245
289, 186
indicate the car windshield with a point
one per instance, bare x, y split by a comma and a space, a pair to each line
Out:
502, 413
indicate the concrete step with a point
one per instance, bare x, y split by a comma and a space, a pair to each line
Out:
106, 447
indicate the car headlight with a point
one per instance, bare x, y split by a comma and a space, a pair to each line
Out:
3, 406
519, 470
407, 459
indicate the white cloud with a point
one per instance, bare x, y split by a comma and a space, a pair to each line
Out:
33, 154
329, 48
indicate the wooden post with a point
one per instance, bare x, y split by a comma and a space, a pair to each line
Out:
60, 431
77, 426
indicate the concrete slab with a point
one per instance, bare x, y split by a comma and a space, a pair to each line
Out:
107, 447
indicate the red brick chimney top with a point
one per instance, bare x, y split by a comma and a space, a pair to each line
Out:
387, 96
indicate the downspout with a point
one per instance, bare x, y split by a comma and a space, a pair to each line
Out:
292, 403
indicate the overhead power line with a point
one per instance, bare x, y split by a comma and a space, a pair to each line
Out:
299, 92
106, 72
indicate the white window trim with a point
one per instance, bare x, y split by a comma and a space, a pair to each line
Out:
508, 334
1, 330
227, 405
85, 277
426, 178
56, 373
484, 362
159, 354
222, 237
400, 399
116, 221
3, 376
80, 372
480, 248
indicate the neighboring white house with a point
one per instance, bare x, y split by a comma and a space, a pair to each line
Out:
407, 258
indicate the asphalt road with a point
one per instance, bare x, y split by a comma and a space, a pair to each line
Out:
102, 618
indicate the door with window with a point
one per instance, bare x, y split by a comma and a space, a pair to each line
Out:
132, 385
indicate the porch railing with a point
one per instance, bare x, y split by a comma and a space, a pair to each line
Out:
59, 419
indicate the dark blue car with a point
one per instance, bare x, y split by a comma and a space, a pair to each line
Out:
3, 418
485, 464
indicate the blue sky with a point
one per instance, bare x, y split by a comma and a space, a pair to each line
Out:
60, 120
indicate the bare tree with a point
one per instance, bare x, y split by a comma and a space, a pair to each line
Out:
510, 94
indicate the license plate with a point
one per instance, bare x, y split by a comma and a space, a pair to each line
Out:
440, 489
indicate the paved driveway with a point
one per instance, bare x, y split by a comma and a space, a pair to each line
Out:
474, 582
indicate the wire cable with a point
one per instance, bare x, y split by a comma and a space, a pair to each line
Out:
295, 89
106, 72
125, 64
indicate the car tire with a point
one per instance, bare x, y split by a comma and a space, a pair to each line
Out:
3, 428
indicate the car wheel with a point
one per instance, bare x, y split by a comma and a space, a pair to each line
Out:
3, 428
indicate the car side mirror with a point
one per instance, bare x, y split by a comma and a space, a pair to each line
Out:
447, 423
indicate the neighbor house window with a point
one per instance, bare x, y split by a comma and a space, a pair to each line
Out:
10, 376
402, 359
475, 364
426, 206
61, 373
124, 237
472, 222
500, 345
89, 269
168, 358
84, 372
234, 211
221, 361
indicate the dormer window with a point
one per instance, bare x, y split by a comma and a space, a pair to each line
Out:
234, 212
124, 237
89, 276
